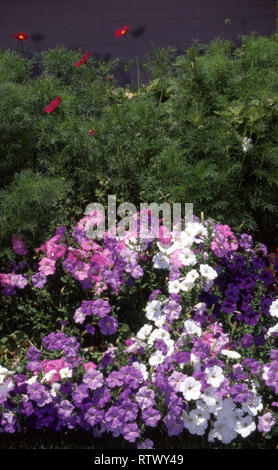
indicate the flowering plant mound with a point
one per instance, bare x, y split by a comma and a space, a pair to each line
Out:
204, 360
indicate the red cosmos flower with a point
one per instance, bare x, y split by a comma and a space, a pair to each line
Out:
121, 31
83, 60
21, 36
53, 105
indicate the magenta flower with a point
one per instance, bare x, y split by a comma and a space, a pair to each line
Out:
47, 266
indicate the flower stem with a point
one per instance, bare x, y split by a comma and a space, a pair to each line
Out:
137, 64
25, 63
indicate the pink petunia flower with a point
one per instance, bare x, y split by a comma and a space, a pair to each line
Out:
47, 266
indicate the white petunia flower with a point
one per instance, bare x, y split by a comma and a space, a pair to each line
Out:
209, 402
170, 346
196, 422
273, 310
54, 389
65, 373
253, 405
4, 373
223, 432
48, 376
195, 361
192, 328
169, 249
187, 257
208, 272
174, 286
191, 388
153, 310
245, 426
271, 331
186, 286
156, 358
144, 332
214, 376
265, 372
161, 261
143, 369
186, 240
192, 276
159, 333
197, 231
201, 307
159, 322
32, 380
230, 354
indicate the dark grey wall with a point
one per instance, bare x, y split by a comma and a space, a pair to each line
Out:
90, 24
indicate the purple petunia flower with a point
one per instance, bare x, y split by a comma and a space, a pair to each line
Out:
101, 397
114, 417
90, 329
55, 341
147, 444
93, 379
65, 409
247, 340
33, 354
60, 231
267, 278
94, 416
108, 325
99, 307
39, 280
174, 424
246, 241
150, 416
27, 408
131, 432
130, 376
240, 393
80, 394
108, 357
266, 422
130, 410
145, 397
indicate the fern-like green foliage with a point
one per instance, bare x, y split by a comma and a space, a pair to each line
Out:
179, 137
28, 204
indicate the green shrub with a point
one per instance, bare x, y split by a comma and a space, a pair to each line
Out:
30, 205
179, 137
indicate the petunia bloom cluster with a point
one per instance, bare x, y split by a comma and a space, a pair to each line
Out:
202, 362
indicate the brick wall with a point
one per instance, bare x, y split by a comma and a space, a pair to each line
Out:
90, 24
